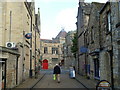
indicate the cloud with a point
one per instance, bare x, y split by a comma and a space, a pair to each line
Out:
67, 18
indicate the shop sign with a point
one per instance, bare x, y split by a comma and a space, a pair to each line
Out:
83, 49
28, 35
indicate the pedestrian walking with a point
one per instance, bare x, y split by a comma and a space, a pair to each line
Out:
57, 72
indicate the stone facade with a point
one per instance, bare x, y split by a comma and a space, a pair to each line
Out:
82, 23
115, 22
102, 40
109, 33
93, 42
9, 67
52, 50
68, 55
13, 29
105, 44
18, 19
53, 57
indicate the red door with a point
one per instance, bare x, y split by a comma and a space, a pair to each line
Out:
45, 64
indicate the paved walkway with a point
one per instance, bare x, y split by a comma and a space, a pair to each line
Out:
29, 82
65, 82
32, 81
87, 82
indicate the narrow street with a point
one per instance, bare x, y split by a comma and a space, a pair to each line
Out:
71, 37
66, 82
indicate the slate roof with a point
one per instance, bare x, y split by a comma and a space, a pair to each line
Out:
62, 34
48, 41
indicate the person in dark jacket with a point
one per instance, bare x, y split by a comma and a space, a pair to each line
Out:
57, 72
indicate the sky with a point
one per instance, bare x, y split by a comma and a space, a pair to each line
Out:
56, 15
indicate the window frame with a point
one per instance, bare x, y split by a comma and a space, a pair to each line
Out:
109, 27
45, 50
54, 50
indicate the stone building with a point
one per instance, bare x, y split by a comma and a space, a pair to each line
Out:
19, 19
8, 67
92, 42
12, 30
37, 39
52, 49
82, 23
68, 55
102, 42
115, 34
105, 43
109, 43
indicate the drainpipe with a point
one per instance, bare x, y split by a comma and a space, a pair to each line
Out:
31, 49
111, 54
85, 54
17, 70
10, 26
35, 55
78, 57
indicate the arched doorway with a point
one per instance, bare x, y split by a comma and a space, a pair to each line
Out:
45, 64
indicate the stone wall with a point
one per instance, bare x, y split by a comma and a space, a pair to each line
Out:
103, 43
0, 75
11, 66
115, 14
69, 60
92, 41
82, 23
11, 71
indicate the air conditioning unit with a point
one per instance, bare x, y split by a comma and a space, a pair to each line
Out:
10, 44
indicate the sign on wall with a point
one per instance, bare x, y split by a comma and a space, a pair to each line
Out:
28, 35
103, 85
83, 49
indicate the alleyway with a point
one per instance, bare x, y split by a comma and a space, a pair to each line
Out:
66, 82
45, 80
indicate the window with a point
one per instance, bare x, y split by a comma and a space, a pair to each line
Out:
92, 34
45, 50
54, 50
54, 59
119, 10
119, 5
108, 22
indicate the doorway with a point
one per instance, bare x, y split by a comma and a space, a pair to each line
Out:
45, 64
3, 72
96, 69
